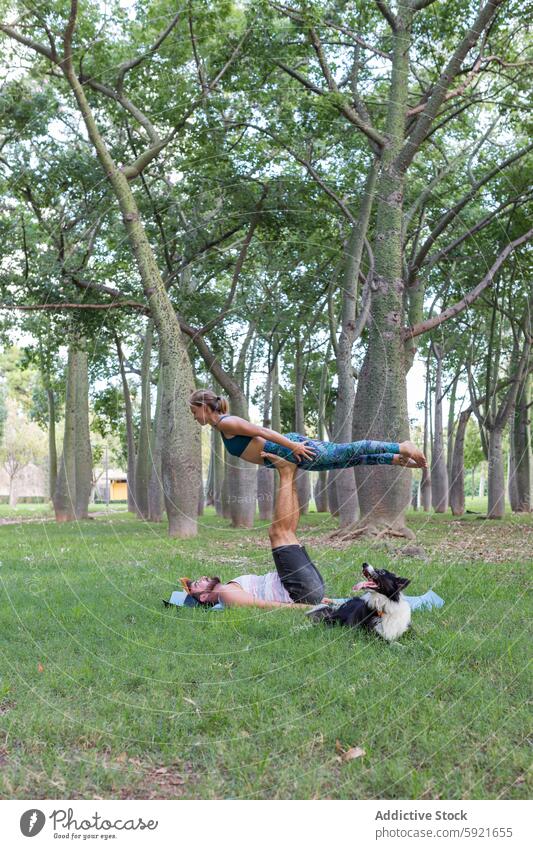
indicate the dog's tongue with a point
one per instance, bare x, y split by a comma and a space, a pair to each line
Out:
364, 585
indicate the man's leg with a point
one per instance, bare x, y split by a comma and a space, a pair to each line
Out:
282, 531
298, 574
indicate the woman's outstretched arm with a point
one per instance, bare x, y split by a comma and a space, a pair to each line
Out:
235, 426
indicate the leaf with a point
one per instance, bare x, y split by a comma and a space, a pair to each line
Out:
40, 667
349, 754
122, 757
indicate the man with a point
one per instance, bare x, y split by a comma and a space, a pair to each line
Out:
296, 580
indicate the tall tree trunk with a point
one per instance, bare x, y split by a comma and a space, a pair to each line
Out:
521, 450
242, 476
425, 483
265, 478
303, 487
156, 499
496, 505
457, 476
381, 398
83, 453
321, 487
276, 407
344, 479
52, 448
143, 469
209, 492
181, 434
451, 426
130, 438
439, 472
12, 499
65, 492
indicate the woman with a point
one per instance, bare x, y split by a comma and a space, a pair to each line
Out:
246, 440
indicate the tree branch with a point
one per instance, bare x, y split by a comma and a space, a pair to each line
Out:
454, 211
29, 42
423, 123
132, 63
376, 138
238, 267
387, 14
67, 306
455, 309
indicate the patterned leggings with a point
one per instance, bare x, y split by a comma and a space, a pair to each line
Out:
332, 455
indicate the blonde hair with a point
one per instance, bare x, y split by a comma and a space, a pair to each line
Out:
210, 399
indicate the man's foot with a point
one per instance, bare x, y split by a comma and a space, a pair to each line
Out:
282, 465
410, 451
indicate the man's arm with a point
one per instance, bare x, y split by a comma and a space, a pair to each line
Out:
234, 596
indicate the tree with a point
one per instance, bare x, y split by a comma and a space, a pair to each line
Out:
23, 443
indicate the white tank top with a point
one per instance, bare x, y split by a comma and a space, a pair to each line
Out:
264, 587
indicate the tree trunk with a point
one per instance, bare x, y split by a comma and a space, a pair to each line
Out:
52, 448
209, 493
481, 490
302, 477
143, 469
83, 453
265, 477
130, 438
156, 502
241, 477
451, 426
457, 477
521, 451
218, 470
12, 502
321, 486
496, 505
381, 399
344, 479
65, 491
181, 434
439, 472
425, 483
276, 408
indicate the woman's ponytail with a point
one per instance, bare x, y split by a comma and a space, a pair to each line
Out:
206, 396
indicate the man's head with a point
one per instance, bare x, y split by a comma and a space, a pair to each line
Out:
202, 589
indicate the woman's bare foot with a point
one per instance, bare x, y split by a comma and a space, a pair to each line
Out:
411, 452
280, 463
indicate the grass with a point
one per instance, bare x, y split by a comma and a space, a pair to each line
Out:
44, 509
104, 693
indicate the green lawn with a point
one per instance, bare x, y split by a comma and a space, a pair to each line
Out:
105, 693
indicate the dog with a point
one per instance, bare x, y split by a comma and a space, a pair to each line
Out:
383, 609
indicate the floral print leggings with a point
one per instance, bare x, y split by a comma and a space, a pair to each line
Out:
333, 455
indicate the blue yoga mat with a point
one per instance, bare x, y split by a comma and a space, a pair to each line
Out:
416, 602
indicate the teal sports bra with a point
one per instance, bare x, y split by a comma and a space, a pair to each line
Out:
234, 444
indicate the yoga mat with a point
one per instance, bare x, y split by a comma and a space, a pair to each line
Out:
427, 601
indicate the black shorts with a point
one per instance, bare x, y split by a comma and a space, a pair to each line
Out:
298, 574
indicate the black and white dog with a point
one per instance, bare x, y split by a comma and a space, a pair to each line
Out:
383, 609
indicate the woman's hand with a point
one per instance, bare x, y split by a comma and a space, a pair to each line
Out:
302, 451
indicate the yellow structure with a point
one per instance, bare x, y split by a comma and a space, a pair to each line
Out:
118, 491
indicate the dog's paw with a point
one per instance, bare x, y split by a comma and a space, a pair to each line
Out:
320, 612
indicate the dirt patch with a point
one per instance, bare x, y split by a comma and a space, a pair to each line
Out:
460, 541
168, 781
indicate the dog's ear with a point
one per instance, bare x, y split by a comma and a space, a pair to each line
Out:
403, 583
